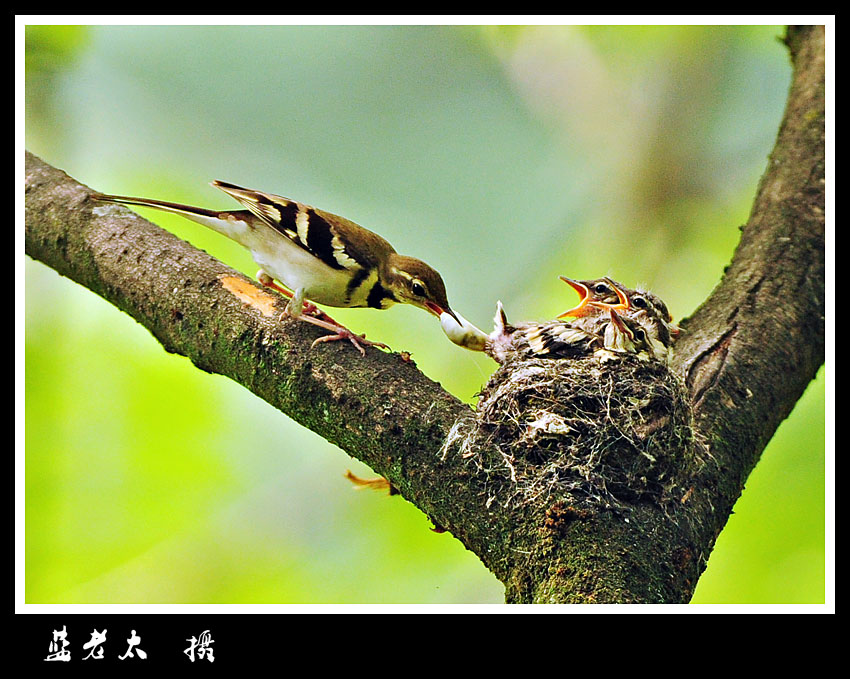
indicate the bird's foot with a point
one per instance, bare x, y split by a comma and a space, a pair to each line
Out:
341, 333
312, 310
346, 334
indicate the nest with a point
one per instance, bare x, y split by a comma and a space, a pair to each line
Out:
601, 433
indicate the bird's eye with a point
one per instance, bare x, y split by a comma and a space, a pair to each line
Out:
640, 335
639, 302
417, 289
601, 288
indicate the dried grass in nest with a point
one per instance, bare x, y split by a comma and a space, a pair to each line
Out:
605, 434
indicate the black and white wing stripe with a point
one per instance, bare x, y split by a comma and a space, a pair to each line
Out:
305, 226
559, 340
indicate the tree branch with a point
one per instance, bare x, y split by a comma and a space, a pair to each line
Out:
752, 348
746, 356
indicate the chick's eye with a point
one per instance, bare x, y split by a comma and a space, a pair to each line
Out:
639, 302
418, 289
640, 335
601, 288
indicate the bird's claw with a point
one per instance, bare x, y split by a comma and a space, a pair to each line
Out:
356, 340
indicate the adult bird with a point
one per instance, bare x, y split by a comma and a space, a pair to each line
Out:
318, 256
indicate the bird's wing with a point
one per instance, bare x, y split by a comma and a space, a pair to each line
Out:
325, 235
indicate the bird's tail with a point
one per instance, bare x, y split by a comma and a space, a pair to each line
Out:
232, 224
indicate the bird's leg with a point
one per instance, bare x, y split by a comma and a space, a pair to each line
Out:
294, 309
309, 308
268, 281
341, 333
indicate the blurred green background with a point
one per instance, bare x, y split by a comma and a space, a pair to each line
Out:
503, 156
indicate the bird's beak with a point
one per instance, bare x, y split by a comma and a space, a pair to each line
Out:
438, 311
583, 292
622, 328
624, 304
